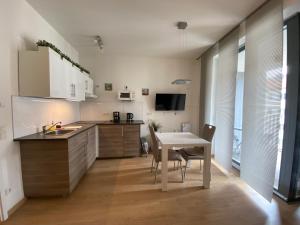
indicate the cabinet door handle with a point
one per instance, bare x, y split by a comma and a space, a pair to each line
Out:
74, 90
71, 90
122, 132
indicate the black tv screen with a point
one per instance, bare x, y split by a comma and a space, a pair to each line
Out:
170, 102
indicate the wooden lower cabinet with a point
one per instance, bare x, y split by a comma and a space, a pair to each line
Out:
131, 140
117, 141
45, 168
91, 147
55, 167
110, 141
77, 149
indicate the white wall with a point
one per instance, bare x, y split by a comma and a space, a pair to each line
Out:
21, 27
137, 73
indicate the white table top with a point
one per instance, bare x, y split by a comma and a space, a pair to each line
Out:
181, 139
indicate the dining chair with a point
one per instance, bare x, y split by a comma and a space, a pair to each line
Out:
152, 163
197, 153
173, 156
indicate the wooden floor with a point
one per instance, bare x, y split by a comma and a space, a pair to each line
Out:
121, 192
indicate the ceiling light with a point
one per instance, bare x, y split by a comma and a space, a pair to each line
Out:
182, 25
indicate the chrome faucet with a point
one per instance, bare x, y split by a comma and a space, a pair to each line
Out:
45, 129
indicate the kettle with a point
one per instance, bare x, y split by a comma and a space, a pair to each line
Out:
129, 116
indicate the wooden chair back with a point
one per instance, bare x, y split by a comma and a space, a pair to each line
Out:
208, 132
154, 147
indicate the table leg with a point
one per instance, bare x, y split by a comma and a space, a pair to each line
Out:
207, 165
164, 168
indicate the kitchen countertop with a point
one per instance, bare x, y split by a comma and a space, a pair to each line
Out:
40, 136
85, 126
110, 122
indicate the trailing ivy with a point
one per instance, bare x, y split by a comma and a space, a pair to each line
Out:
43, 43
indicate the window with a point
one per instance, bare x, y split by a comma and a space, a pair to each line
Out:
283, 101
238, 114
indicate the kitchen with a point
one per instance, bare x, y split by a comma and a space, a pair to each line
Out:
21, 116
80, 85
119, 136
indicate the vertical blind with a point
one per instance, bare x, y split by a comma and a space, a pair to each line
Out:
225, 95
262, 94
207, 85
208, 73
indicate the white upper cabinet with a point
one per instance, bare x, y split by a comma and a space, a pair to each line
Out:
72, 81
81, 86
88, 85
45, 74
75, 83
57, 76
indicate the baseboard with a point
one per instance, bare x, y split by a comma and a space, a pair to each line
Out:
280, 195
221, 168
16, 207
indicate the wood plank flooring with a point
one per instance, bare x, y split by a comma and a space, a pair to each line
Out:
121, 192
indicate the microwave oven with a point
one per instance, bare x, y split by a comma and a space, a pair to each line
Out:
126, 96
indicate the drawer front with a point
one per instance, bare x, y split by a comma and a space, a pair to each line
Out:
110, 141
77, 158
78, 140
131, 140
77, 166
91, 147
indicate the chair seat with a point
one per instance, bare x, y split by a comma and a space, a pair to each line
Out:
172, 156
192, 153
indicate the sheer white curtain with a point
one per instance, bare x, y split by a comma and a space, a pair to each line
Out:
262, 93
225, 95
208, 66
208, 73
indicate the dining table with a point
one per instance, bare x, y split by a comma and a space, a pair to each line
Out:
177, 140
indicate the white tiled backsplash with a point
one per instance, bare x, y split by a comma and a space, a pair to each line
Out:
30, 114
104, 110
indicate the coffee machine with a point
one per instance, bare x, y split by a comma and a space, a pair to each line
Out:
129, 116
116, 116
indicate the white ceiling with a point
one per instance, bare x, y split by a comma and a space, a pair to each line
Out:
144, 27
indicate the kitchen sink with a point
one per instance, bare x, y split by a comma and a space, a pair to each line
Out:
71, 127
59, 132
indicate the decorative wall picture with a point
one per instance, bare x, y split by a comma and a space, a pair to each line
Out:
108, 86
145, 91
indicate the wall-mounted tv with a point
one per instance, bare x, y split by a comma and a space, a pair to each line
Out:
170, 102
